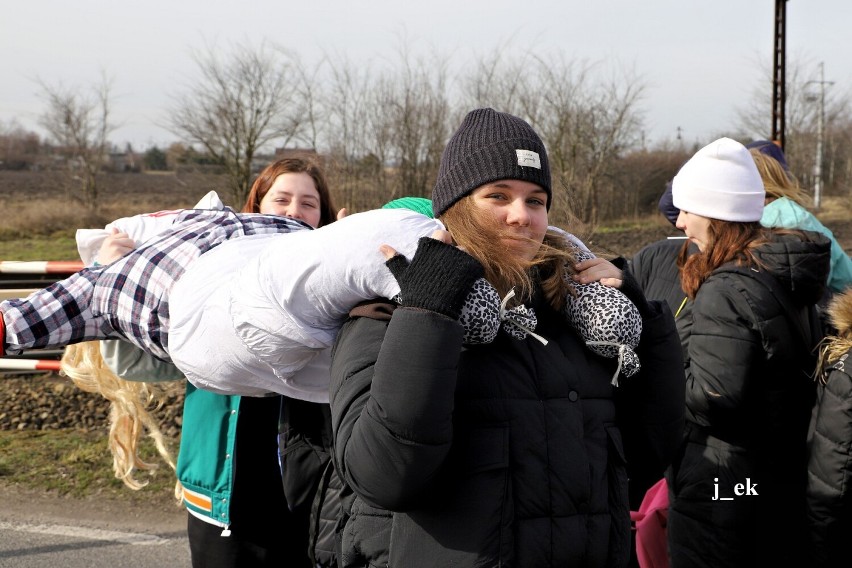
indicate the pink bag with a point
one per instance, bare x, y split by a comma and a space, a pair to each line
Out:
650, 525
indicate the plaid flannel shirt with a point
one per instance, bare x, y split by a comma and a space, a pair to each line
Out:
128, 299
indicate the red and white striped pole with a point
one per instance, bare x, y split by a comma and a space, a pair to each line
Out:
58, 267
7, 364
40, 266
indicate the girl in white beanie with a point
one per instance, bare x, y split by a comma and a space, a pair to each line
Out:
737, 485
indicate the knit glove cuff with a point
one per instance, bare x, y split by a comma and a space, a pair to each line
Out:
438, 278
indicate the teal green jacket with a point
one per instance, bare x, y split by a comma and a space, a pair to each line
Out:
205, 466
788, 214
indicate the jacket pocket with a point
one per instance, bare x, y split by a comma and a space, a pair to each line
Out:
302, 463
469, 521
365, 536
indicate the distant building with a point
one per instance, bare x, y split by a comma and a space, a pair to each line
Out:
123, 162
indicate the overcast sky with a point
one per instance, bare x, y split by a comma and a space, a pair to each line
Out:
698, 59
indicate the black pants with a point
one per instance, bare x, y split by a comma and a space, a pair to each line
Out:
209, 549
264, 533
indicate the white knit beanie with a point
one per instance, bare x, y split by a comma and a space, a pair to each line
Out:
721, 182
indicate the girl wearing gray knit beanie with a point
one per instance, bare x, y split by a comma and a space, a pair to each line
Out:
737, 486
516, 451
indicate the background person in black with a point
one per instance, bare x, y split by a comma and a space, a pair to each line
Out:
830, 443
748, 363
655, 265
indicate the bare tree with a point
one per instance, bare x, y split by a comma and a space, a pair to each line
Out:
586, 123
238, 106
493, 81
79, 123
306, 82
418, 111
801, 121
19, 147
355, 133
385, 128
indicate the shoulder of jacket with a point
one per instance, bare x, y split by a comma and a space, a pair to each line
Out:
836, 378
725, 280
744, 278
842, 365
734, 287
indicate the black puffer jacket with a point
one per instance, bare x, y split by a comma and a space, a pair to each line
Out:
830, 448
506, 454
655, 268
311, 486
748, 399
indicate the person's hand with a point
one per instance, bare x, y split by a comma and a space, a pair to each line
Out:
114, 247
598, 270
439, 276
342, 213
439, 235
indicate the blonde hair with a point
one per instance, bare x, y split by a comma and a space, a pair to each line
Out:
834, 346
474, 230
130, 416
777, 181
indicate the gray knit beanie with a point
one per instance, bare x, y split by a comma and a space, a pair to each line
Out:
489, 146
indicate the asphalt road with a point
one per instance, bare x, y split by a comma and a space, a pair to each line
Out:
43, 531
24, 545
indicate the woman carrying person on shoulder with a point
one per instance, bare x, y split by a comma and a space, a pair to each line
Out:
737, 484
508, 451
228, 467
239, 514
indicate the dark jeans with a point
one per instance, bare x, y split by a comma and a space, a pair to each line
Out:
264, 533
209, 549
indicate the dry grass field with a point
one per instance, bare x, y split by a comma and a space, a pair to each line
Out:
38, 217
42, 203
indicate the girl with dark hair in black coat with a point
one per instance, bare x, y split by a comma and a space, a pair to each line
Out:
737, 485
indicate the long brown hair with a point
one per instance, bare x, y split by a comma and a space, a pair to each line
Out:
294, 165
475, 230
729, 241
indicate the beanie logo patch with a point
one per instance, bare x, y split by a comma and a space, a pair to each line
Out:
528, 159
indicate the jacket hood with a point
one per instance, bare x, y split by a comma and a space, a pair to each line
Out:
840, 313
800, 263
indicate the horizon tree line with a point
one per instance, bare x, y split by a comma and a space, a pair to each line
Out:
380, 128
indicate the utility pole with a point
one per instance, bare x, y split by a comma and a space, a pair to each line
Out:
820, 145
779, 93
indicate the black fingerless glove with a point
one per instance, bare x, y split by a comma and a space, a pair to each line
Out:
438, 278
630, 287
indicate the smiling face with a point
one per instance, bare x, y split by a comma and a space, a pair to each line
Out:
293, 195
696, 228
520, 208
